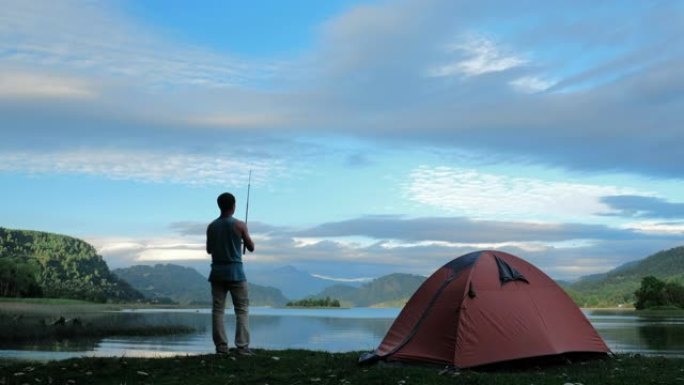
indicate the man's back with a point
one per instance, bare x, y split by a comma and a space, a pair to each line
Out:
223, 243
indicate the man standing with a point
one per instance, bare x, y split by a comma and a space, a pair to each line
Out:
225, 236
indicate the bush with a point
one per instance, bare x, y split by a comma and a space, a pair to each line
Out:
655, 293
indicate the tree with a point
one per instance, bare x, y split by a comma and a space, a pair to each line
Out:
315, 302
674, 294
650, 294
654, 292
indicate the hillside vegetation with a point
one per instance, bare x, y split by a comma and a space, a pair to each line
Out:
39, 264
619, 285
394, 288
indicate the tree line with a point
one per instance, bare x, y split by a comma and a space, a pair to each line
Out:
655, 293
315, 302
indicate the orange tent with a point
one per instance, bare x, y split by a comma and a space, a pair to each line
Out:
483, 308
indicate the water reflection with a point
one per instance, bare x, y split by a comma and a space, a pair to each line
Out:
631, 332
330, 330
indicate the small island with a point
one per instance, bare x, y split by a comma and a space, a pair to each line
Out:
315, 302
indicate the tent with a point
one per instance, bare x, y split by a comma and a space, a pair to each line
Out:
483, 308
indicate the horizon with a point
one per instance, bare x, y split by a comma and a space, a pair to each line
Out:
382, 136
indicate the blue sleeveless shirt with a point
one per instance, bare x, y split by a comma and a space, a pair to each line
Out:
224, 244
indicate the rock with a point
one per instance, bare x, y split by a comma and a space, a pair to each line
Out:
75, 321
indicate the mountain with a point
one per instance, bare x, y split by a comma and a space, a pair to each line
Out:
618, 285
389, 290
601, 276
344, 293
294, 283
185, 285
35, 264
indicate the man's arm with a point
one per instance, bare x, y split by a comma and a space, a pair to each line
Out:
244, 233
208, 242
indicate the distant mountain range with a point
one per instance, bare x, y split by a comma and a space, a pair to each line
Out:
618, 285
34, 264
164, 282
294, 283
185, 285
390, 290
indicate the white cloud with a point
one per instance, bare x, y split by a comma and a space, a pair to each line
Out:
239, 120
144, 166
335, 279
526, 246
576, 271
130, 251
156, 253
650, 227
478, 55
95, 37
19, 84
531, 84
480, 195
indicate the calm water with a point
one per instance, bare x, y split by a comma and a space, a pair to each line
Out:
334, 330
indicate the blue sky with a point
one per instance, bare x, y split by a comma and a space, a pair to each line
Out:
382, 136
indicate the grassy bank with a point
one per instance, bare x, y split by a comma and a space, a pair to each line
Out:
28, 320
317, 368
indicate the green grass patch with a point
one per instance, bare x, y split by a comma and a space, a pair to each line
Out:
317, 368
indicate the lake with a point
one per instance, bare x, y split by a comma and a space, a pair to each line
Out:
334, 330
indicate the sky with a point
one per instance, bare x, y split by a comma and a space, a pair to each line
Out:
381, 136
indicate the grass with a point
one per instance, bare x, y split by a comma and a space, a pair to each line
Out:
301, 367
29, 320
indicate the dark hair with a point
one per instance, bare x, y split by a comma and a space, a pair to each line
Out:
226, 201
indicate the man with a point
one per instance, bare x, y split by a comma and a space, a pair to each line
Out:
225, 236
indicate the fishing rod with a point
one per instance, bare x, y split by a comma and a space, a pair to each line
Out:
249, 185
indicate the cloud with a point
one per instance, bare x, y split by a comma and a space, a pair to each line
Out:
638, 206
123, 252
614, 109
650, 227
479, 56
623, 118
481, 195
343, 280
460, 230
95, 37
531, 84
155, 167
199, 228
35, 85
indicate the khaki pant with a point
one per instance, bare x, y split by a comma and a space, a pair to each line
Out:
239, 295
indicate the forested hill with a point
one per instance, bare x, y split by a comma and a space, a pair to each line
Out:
618, 286
39, 264
185, 285
389, 290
